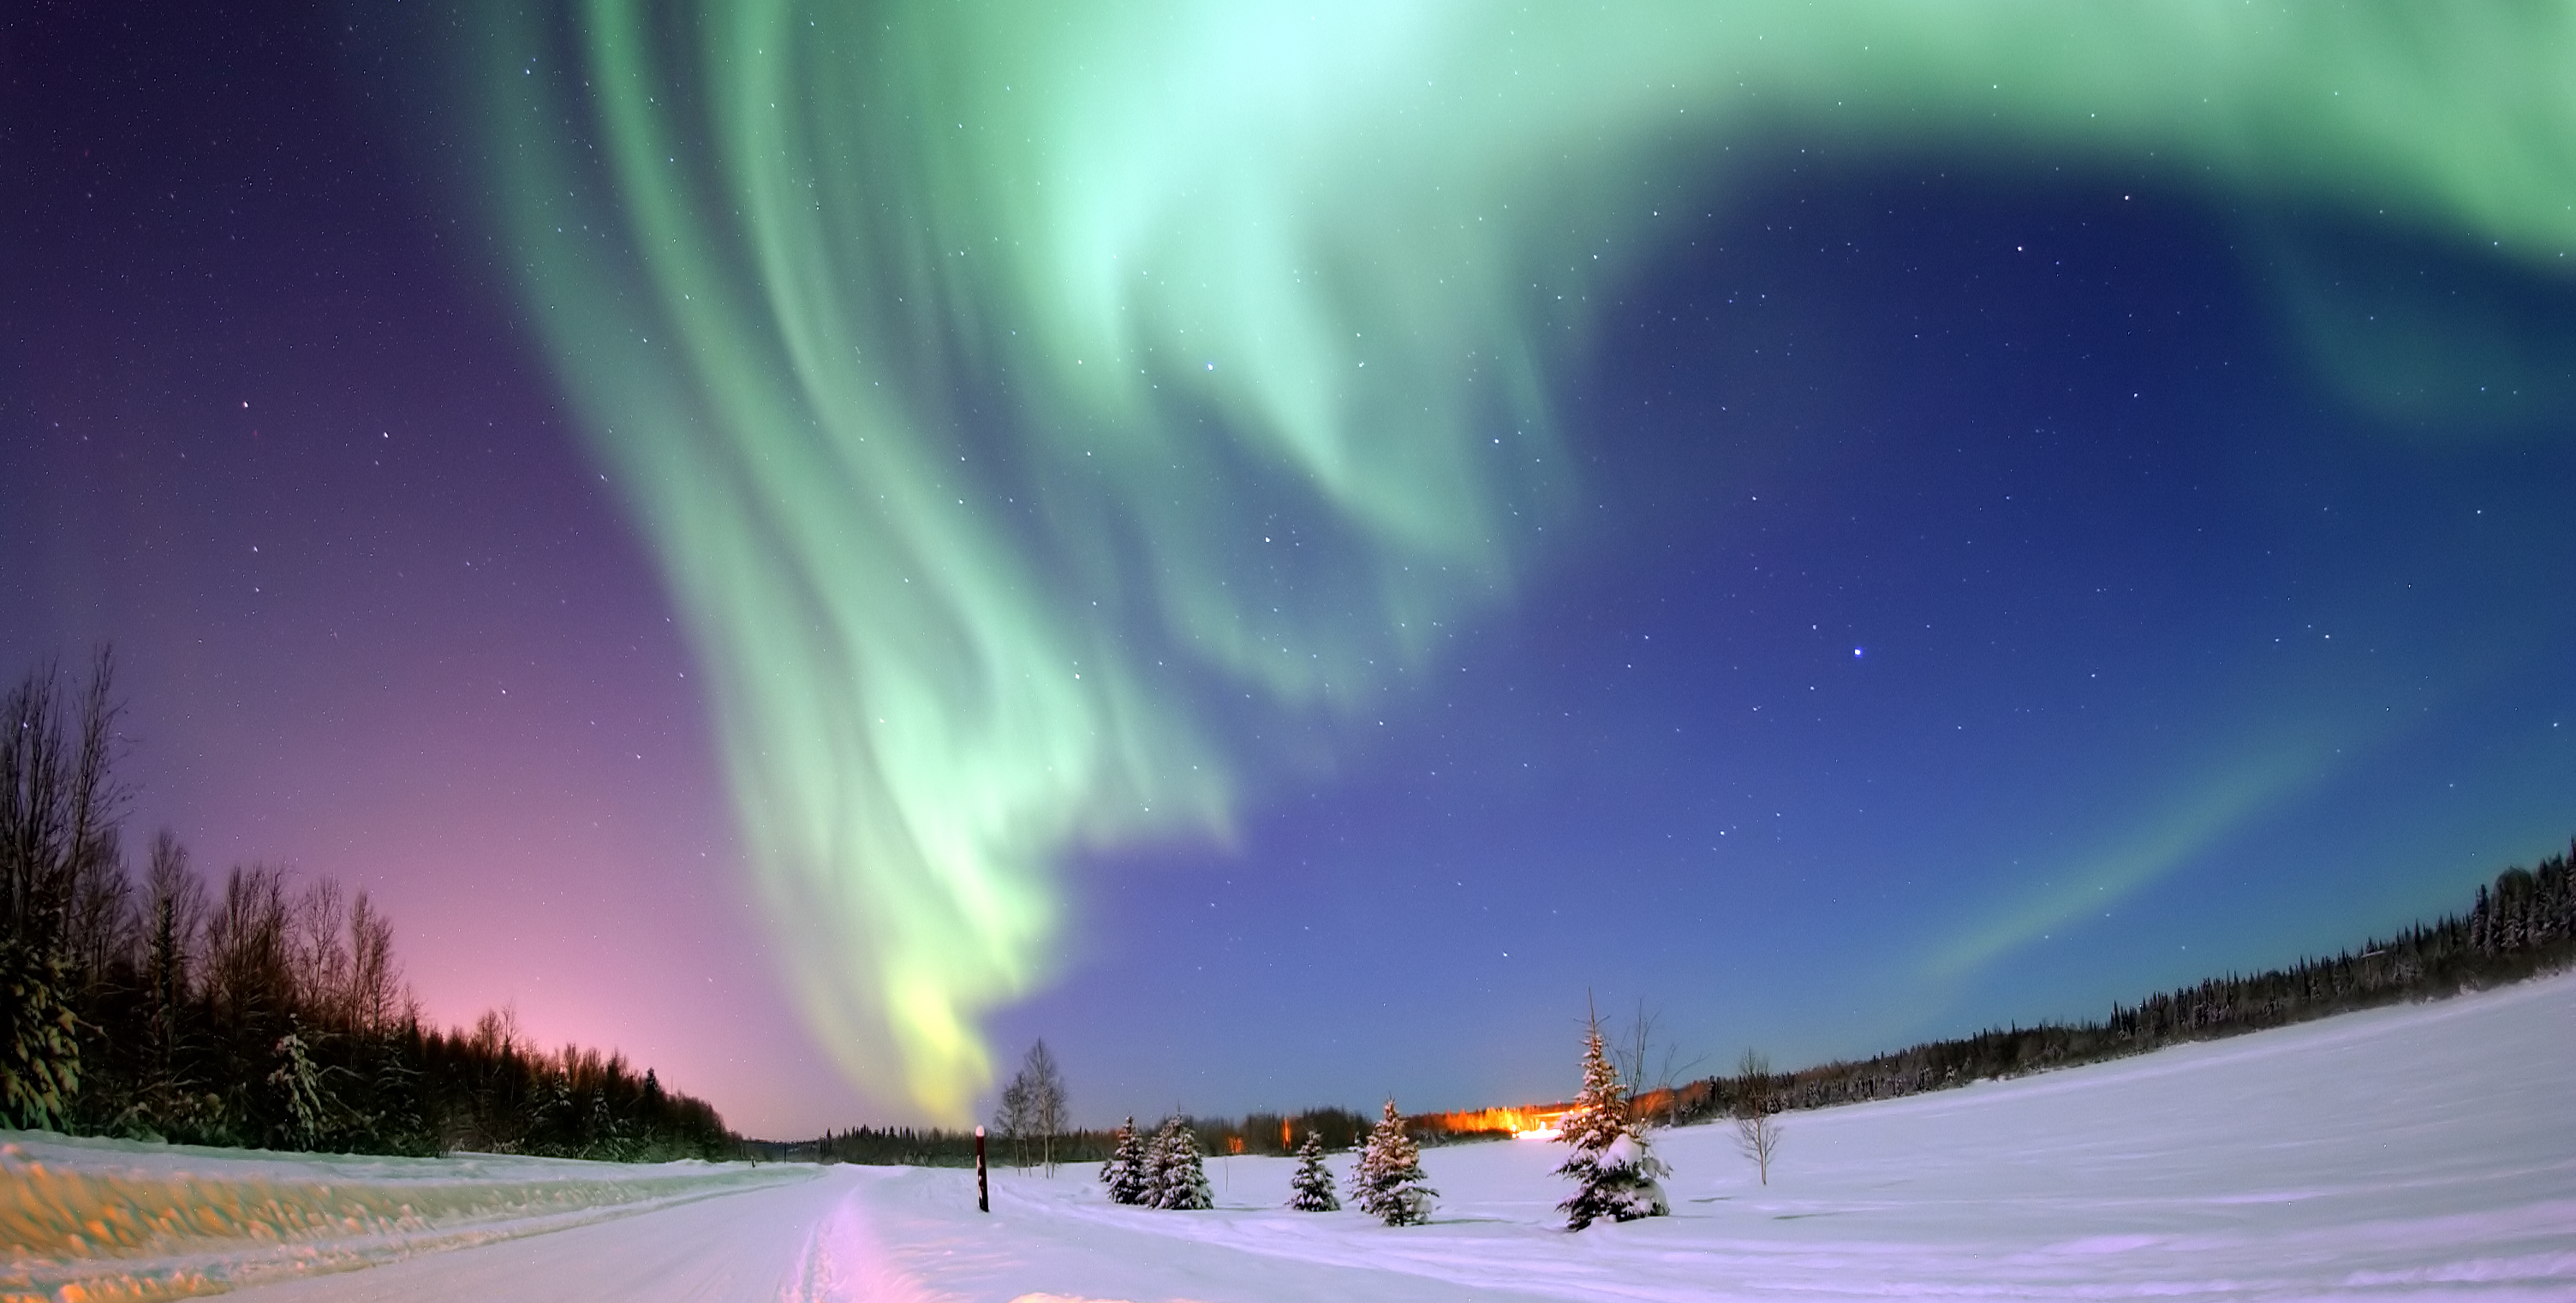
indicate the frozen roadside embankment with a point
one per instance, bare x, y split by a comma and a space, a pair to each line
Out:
111, 1219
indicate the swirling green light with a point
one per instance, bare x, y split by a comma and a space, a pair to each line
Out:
991, 377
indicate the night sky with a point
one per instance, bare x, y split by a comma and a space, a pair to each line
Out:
1834, 558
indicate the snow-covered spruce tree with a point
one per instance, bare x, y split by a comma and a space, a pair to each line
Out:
1313, 1183
309, 1107
1129, 1173
39, 1041
1388, 1183
1615, 1175
1180, 1178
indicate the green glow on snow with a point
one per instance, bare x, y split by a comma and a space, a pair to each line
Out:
986, 375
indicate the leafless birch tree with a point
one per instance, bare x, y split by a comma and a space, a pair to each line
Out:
1032, 1108
1757, 1108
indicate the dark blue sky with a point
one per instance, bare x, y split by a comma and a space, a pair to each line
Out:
1994, 586
2082, 639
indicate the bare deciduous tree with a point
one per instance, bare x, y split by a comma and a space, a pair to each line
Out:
174, 909
102, 918
1032, 1107
499, 1118
1650, 1063
378, 1001
250, 974
1757, 1108
497, 1032
57, 796
1011, 1117
1047, 1101
320, 953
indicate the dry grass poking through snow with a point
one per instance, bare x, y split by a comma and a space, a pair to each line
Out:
98, 1220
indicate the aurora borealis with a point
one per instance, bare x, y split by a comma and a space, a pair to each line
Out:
1161, 492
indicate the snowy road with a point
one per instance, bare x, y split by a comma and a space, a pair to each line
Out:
2420, 1154
738, 1247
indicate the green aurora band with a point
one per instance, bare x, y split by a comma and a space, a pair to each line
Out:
991, 379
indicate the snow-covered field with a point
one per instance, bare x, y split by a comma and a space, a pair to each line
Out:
2418, 1153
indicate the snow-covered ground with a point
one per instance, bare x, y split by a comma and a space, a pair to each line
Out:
2418, 1153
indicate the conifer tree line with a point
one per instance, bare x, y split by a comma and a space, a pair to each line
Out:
257, 1011
1271, 1134
2522, 926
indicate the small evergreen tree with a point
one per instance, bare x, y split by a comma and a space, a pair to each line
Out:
1180, 1178
39, 1041
1613, 1171
1388, 1182
602, 1140
309, 1106
1129, 1173
1313, 1183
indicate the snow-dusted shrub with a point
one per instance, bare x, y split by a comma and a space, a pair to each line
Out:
1312, 1186
1615, 1174
1388, 1183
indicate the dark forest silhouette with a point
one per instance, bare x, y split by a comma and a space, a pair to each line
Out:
1273, 1134
2522, 926
256, 1011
